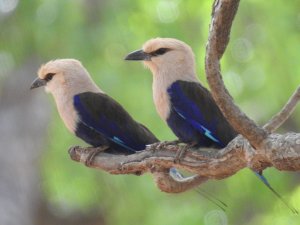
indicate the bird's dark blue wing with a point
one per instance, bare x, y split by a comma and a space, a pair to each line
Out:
194, 104
104, 115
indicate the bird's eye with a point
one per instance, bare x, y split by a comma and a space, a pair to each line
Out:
49, 76
160, 51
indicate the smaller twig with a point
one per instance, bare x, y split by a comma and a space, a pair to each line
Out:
277, 120
175, 183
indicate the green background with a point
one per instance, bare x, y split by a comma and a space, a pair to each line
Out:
260, 67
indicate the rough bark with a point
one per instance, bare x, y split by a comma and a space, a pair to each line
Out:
219, 33
281, 152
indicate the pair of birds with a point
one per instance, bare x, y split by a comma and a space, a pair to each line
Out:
181, 101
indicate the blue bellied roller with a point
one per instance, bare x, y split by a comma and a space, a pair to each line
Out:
88, 112
182, 101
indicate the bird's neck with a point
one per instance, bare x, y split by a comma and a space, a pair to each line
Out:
70, 88
64, 96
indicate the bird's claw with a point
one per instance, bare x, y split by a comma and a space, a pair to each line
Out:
180, 153
75, 153
163, 144
92, 154
73, 149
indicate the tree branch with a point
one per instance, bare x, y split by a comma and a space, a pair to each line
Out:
281, 152
121, 164
284, 114
222, 17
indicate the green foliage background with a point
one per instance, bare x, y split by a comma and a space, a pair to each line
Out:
261, 69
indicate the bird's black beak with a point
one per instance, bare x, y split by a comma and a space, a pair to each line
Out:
38, 83
138, 55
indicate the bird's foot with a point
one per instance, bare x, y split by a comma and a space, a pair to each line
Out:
174, 142
72, 149
163, 144
74, 153
182, 150
92, 152
179, 154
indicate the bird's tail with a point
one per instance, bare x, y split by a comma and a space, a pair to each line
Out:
265, 181
175, 173
222, 205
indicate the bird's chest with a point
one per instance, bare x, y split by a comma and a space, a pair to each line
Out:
67, 113
161, 101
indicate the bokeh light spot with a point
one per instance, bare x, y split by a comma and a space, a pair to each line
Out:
234, 82
255, 33
7, 63
215, 217
254, 77
242, 50
167, 11
46, 13
7, 6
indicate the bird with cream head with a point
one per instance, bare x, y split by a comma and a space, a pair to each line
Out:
88, 112
182, 101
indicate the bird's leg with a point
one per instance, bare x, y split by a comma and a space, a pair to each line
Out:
164, 144
92, 152
174, 142
181, 151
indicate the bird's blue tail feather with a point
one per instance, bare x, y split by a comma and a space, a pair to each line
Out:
265, 181
175, 173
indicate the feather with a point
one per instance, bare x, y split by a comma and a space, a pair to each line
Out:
103, 116
201, 119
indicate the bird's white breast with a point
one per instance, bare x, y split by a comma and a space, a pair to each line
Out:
67, 112
161, 99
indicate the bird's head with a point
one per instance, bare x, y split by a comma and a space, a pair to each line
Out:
61, 74
163, 55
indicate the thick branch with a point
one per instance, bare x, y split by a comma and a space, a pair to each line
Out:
282, 152
284, 114
164, 179
222, 17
